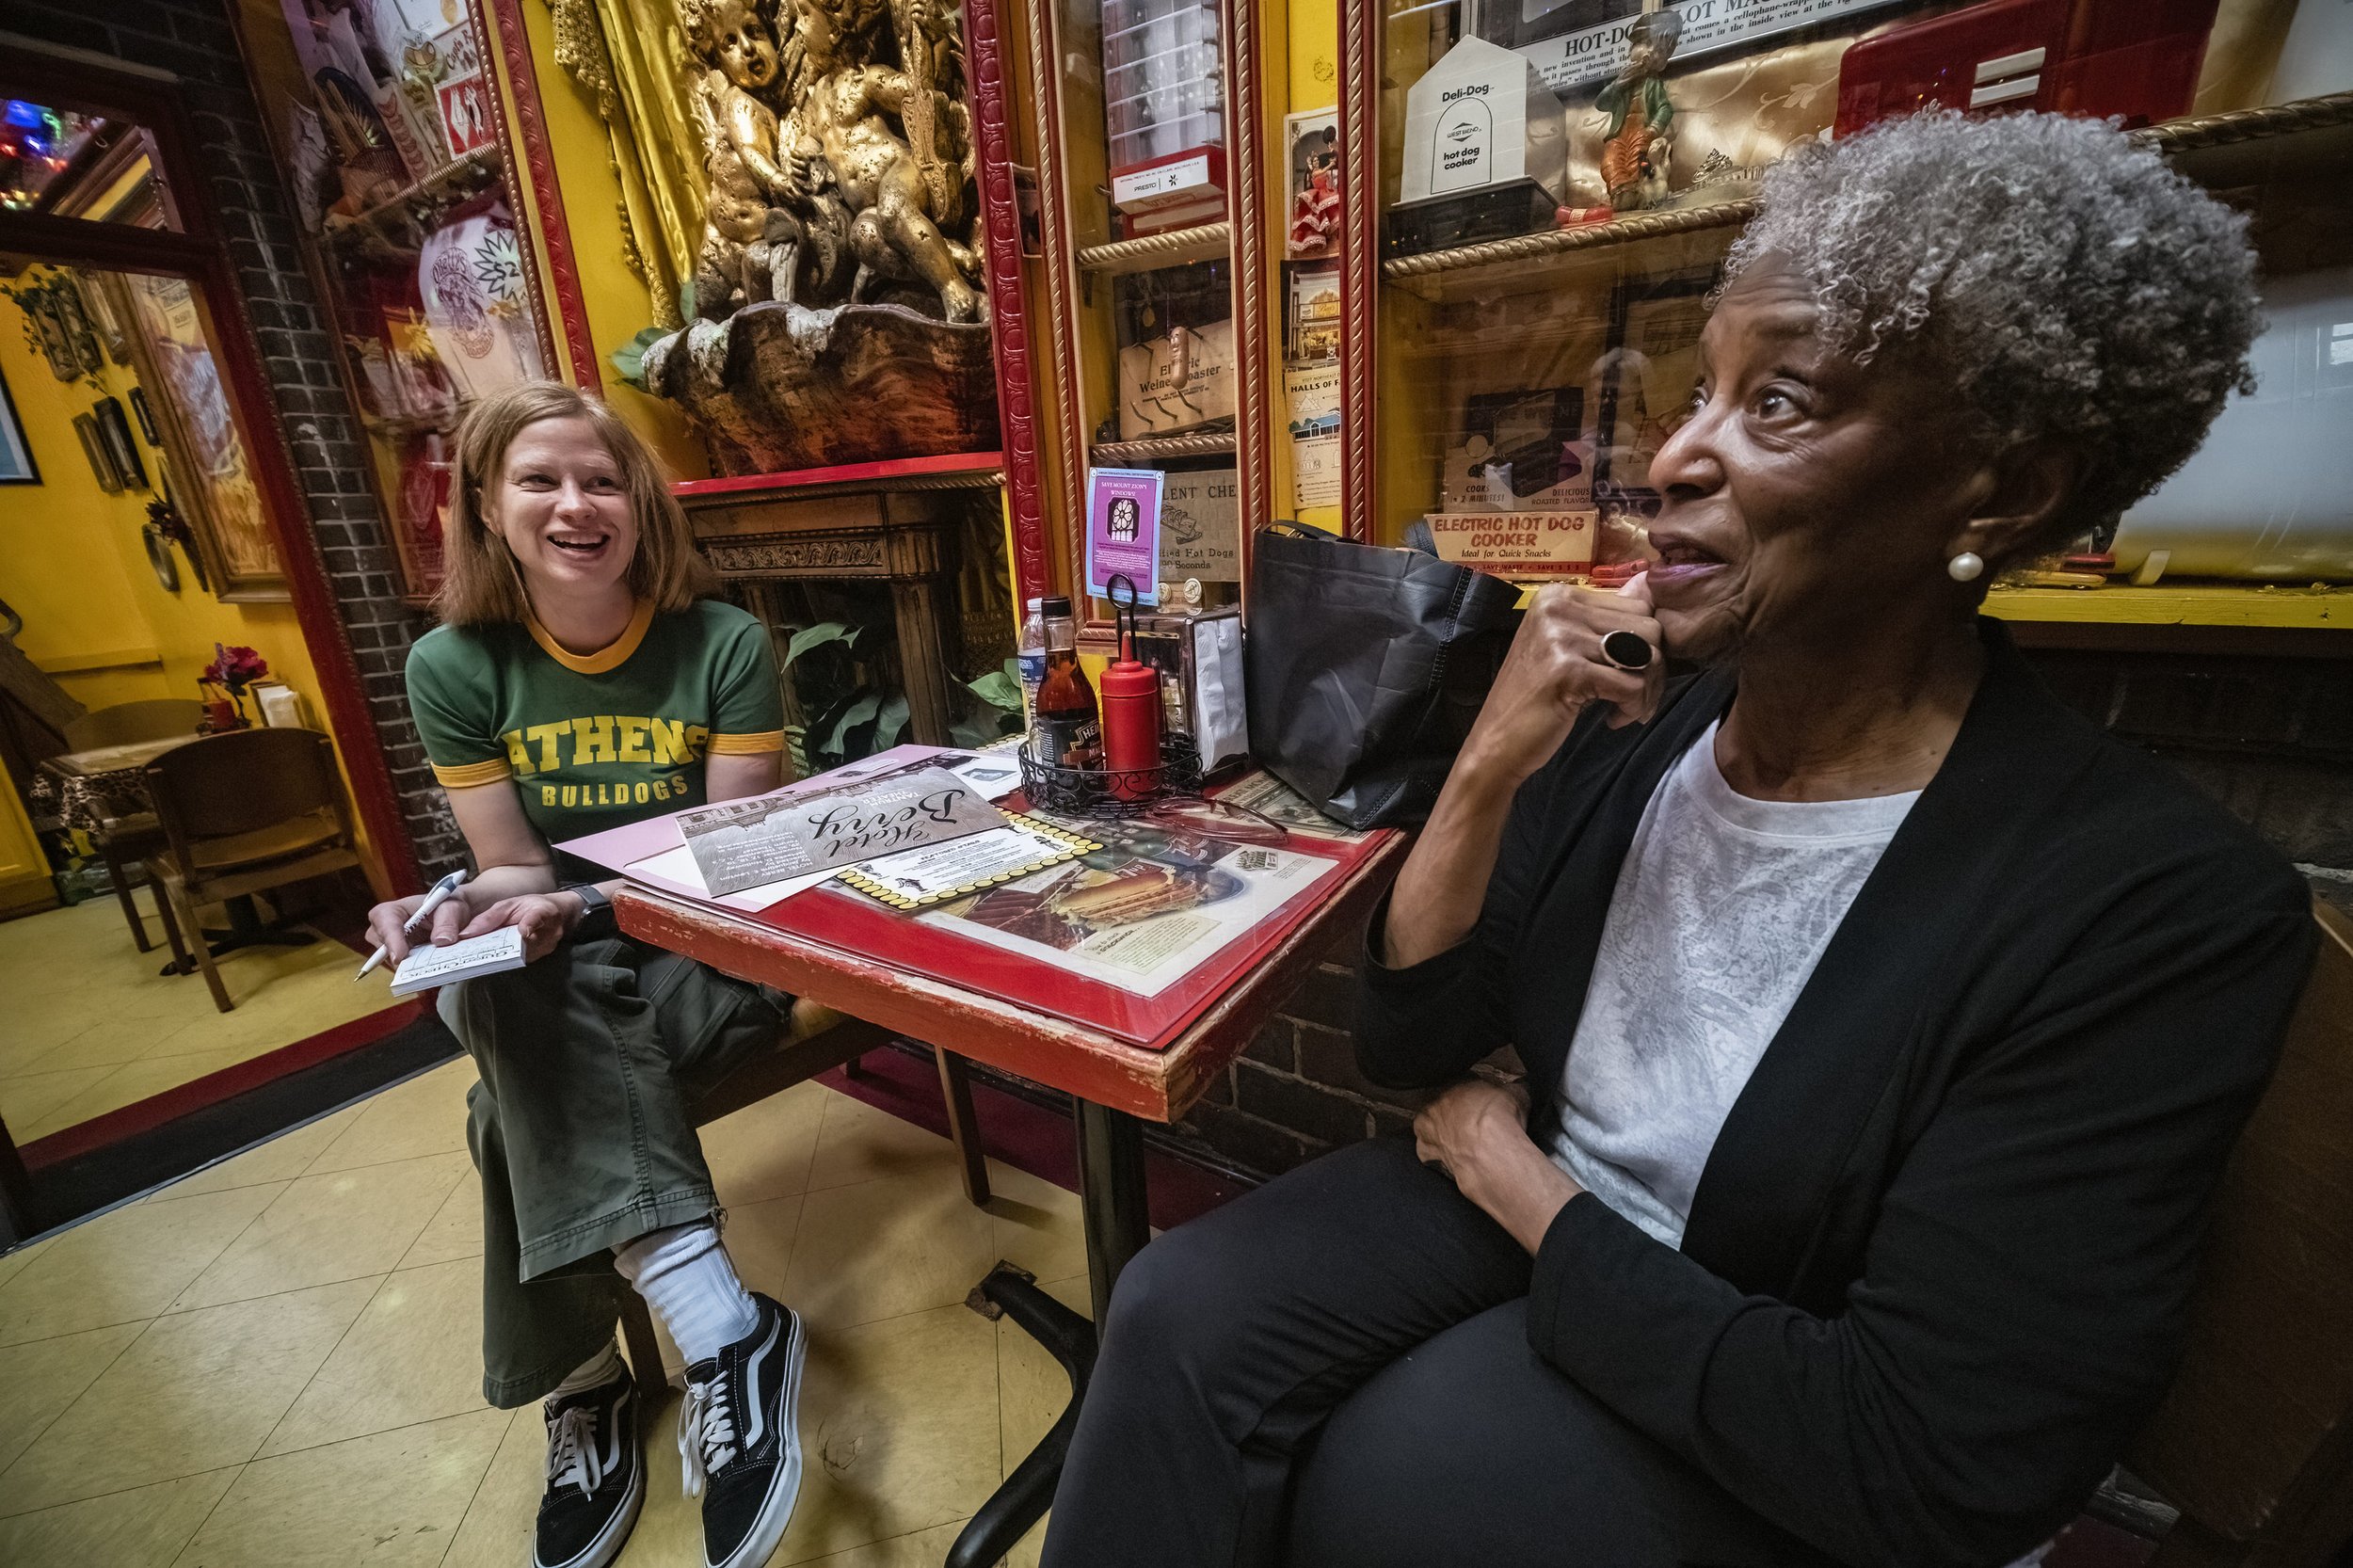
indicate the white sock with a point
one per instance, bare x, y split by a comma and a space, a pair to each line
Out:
684, 1274
595, 1372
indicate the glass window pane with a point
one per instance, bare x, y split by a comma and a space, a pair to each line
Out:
66, 164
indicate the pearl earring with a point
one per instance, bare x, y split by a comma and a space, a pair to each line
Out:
1964, 566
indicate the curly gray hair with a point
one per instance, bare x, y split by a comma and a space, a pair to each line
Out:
2072, 285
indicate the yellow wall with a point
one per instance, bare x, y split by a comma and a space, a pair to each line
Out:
1315, 53
618, 307
73, 563
1315, 84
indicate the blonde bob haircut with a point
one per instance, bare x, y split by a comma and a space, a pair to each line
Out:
482, 584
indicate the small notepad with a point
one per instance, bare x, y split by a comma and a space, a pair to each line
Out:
494, 952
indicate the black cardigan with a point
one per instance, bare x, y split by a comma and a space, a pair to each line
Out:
1936, 1269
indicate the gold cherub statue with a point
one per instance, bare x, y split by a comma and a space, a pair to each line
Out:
843, 112
736, 264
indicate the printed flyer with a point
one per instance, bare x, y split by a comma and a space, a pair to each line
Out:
1124, 530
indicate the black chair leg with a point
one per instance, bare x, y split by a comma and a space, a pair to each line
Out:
1026, 1495
130, 903
645, 1354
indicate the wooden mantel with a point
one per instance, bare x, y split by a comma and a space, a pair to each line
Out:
882, 521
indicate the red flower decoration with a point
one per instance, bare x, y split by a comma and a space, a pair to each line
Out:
235, 667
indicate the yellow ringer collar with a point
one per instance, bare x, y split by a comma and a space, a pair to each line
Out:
610, 657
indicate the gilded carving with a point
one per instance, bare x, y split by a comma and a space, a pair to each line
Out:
798, 556
838, 313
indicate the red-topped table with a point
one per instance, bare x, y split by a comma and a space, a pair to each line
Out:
1115, 1085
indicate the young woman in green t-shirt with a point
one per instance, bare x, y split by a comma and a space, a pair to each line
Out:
581, 680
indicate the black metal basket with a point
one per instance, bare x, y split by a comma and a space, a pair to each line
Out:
1099, 793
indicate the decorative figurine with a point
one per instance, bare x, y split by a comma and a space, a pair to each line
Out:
832, 130
1638, 143
1316, 207
840, 109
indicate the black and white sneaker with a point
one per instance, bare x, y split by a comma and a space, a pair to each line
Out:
740, 1438
596, 1478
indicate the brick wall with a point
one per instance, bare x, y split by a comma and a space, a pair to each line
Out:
193, 41
2271, 739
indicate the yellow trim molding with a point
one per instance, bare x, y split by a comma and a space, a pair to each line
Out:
110, 658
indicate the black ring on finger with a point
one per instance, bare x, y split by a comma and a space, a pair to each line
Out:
1626, 649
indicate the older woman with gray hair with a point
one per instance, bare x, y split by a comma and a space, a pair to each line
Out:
1886, 1025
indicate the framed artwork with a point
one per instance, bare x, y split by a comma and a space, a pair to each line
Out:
113, 428
16, 459
56, 322
145, 415
214, 487
103, 317
102, 462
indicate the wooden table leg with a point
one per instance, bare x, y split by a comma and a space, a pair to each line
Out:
955, 1087
1110, 1196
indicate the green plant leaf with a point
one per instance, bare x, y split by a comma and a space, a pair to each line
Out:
892, 720
998, 689
818, 636
630, 358
859, 713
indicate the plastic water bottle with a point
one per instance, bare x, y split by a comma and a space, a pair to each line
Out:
1030, 656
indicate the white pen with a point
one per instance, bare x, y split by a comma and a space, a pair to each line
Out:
434, 896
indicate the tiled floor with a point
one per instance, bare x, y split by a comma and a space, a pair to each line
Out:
276, 1361
92, 1026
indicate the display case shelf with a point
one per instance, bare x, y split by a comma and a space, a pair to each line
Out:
1556, 242
1546, 363
396, 425
2266, 606
2194, 133
480, 164
1217, 444
1202, 243
2176, 136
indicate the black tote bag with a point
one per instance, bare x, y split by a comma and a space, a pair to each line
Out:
1366, 668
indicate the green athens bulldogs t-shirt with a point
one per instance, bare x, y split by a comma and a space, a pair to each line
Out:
596, 740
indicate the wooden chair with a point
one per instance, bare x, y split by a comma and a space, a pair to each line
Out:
244, 812
819, 1039
126, 840
2254, 1441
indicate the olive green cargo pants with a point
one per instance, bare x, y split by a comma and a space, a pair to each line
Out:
589, 1060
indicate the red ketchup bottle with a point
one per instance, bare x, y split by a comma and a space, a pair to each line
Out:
1131, 718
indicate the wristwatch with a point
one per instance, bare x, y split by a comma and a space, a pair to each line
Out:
596, 912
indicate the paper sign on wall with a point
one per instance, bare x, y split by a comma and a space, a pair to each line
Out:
1201, 527
1516, 544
